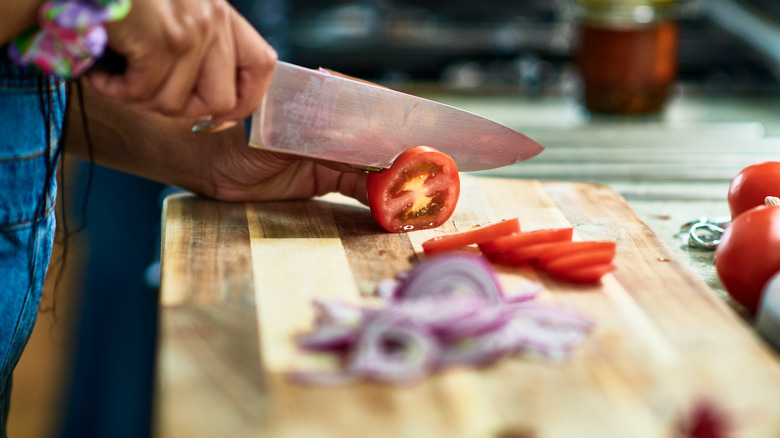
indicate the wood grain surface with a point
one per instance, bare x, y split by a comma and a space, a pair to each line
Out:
238, 281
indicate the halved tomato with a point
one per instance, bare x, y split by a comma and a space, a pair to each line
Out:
420, 190
477, 235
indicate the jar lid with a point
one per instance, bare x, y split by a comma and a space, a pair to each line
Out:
628, 11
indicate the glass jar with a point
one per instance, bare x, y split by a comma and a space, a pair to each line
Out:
627, 54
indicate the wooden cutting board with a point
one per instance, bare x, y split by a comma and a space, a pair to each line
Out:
238, 281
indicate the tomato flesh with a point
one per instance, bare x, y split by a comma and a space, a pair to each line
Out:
419, 190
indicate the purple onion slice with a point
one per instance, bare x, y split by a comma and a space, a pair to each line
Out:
329, 338
337, 312
452, 276
392, 349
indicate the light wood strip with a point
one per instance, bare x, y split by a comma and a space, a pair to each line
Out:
205, 251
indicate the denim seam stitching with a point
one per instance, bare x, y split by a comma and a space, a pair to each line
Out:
26, 297
31, 221
23, 157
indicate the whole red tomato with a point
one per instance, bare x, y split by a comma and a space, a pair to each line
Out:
419, 190
749, 254
752, 185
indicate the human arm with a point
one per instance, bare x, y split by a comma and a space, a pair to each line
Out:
220, 165
16, 16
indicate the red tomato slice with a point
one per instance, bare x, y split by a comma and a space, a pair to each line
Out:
563, 249
529, 253
475, 236
574, 261
517, 240
420, 190
586, 274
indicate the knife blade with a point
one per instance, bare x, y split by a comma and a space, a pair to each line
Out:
316, 114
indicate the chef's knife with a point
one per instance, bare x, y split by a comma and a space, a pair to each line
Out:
316, 114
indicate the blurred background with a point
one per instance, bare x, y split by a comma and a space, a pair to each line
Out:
88, 370
525, 46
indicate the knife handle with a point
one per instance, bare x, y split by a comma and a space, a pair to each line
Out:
110, 62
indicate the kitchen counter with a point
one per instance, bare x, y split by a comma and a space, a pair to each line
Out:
217, 328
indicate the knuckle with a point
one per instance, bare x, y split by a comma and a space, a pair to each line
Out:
221, 105
178, 40
202, 20
220, 10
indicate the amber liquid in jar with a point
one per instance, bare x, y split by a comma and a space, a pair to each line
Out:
627, 70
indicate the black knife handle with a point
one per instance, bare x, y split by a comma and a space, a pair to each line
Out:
110, 62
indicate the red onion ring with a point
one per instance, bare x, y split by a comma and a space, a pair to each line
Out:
451, 275
448, 311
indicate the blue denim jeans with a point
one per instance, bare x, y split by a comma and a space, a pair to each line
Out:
31, 112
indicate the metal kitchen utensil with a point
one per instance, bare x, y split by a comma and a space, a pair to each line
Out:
705, 233
316, 114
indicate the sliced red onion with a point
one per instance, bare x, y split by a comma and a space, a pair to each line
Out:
386, 289
552, 343
552, 315
448, 311
437, 314
323, 378
488, 319
478, 351
391, 349
451, 275
329, 338
526, 292
337, 312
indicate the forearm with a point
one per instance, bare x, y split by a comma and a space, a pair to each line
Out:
16, 16
146, 144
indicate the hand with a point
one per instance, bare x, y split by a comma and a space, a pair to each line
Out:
241, 173
188, 58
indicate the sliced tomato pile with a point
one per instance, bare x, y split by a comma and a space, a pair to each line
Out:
420, 190
550, 249
479, 235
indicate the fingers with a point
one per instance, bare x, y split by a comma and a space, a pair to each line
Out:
255, 62
153, 38
188, 58
354, 186
202, 82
